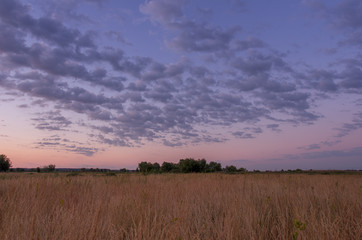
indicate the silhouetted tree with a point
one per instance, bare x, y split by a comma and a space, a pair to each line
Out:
5, 163
191, 165
213, 167
231, 169
49, 168
167, 167
156, 167
145, 167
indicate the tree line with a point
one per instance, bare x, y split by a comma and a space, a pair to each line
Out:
187, 165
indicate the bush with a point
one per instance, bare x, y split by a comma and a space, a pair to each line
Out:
5, 163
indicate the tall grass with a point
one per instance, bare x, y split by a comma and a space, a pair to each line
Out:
180, 206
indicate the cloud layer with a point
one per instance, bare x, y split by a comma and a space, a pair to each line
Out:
223, 76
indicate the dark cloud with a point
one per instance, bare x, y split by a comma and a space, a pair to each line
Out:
164, 11
352, 77
11, 40
322, 80
17, 15
248, 43
313, 147
292, 103
195, 37
243, 135
51, 121
341, 154
174, 143
344, 16
274, 127
348, 14
55, 142
191, 36
117, 37
247, 132
347, 128
238, 6
320, 145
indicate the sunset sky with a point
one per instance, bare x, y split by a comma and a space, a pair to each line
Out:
265, 84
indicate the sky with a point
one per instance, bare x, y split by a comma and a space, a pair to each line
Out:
265, 84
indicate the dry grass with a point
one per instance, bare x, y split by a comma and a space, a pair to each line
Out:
180, 206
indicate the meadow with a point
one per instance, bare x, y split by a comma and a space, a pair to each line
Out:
179, 206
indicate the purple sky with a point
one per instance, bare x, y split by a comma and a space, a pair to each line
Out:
108, 83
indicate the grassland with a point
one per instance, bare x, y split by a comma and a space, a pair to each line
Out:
180, 206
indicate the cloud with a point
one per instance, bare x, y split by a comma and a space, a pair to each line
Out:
322, 80
320, 145
247, 133
195, 37
352, 77
349, 158
243, 135
341, 154
163, 11
55, 142
348, 14
191, 35
17, 15
128, 100
249, 43
347, 128
274, 127
344, 16
51, 121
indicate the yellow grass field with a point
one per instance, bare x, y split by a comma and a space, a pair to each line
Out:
180, 206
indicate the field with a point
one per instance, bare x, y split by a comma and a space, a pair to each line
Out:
179, 206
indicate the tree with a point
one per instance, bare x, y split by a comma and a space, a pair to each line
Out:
214, 167
166, 167
191, 165
169, 167
145, 167
5, 163
49, 168
231, 169
188, 165
156, 167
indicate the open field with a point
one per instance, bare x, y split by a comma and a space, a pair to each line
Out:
180, 206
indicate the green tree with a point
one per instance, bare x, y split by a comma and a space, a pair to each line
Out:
169, 167
5, 163
191, 165
188, 165
214, 167
156, 167
145, 167
231, 169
